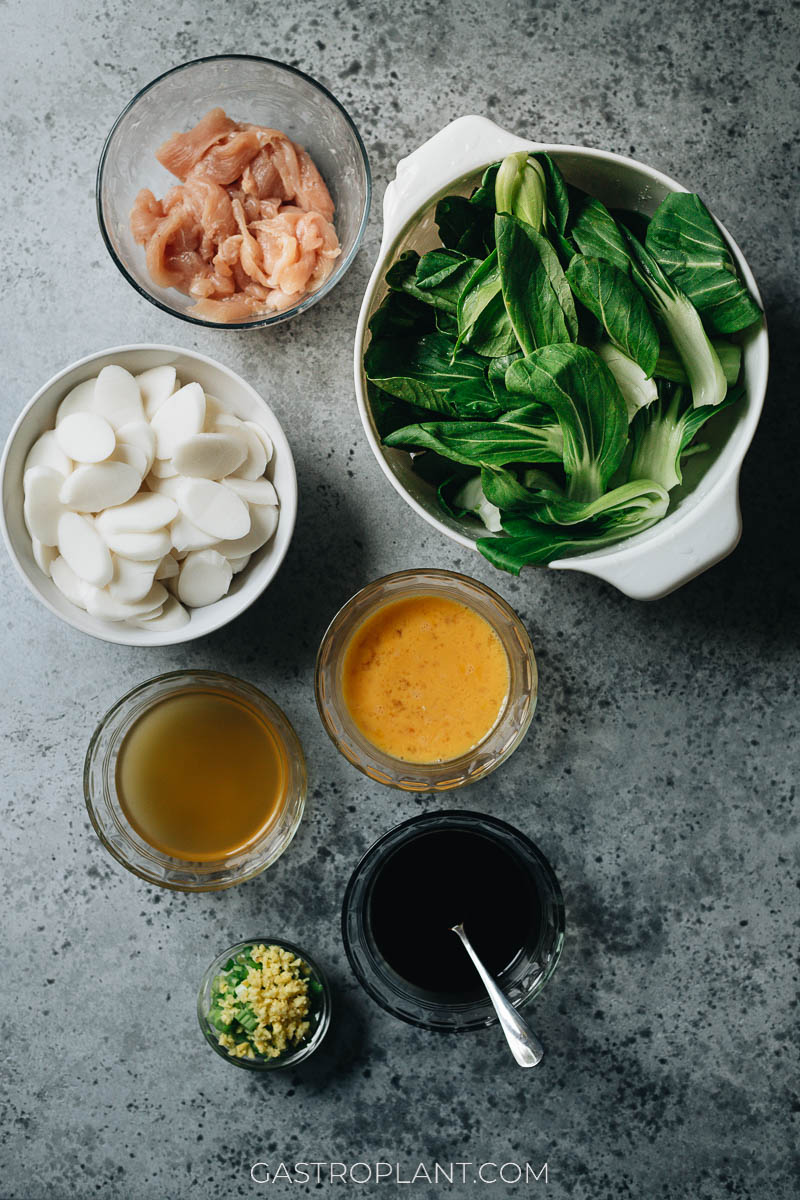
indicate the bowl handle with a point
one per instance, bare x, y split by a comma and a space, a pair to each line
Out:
654, 569
462, 146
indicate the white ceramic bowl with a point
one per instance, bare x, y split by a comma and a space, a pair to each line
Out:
704, 521
40, 414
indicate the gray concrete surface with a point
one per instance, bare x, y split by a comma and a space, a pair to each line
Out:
660, 771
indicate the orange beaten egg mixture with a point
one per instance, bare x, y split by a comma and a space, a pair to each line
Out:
425, 678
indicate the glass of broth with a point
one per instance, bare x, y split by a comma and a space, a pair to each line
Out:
426, 680
195, 781
433, 872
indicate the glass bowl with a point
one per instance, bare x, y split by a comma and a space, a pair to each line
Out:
507, 732
249, 88
120, 838
320, 1009
521, 980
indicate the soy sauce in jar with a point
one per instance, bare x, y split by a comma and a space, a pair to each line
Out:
437, 879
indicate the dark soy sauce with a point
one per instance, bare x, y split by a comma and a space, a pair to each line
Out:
436, 880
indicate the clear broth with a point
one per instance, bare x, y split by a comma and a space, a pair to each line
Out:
201, 775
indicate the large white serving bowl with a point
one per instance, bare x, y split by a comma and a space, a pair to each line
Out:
233, 392
704, 523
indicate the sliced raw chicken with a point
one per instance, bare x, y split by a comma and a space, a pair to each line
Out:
183, 151
225, 162
312, 194
146, 215
231, 308
247, 231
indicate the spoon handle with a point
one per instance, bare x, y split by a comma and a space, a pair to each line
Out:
523, 1042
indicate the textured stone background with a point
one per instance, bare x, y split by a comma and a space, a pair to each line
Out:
658, 776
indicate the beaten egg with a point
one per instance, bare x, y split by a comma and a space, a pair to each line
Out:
425, 678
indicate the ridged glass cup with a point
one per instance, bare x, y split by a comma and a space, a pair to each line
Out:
505, 735
521, 980
123, 842
320, 1015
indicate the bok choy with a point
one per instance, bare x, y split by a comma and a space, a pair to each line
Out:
662, 435
549, 370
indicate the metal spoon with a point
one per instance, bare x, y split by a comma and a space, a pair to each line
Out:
523, 1042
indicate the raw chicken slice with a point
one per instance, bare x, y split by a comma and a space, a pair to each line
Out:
183, 151
284, 155
211, 206
225, 162
249, 251
146, 216
230, 308
158, 246
247, 231
261, 177
311, 192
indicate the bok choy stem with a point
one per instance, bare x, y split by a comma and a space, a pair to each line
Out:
703, 369
521, 189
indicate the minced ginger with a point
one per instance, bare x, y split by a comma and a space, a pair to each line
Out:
261, 1002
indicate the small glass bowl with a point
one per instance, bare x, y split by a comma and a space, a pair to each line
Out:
507, 732
249, 88
122, 841
521, 980
321, 1006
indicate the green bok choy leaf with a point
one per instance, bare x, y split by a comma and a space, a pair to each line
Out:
438, 278
706, 377
423, 371
688, 244
619, 514
584, 396
598, 235
483, 323
535, 291
483, 443
615, 300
